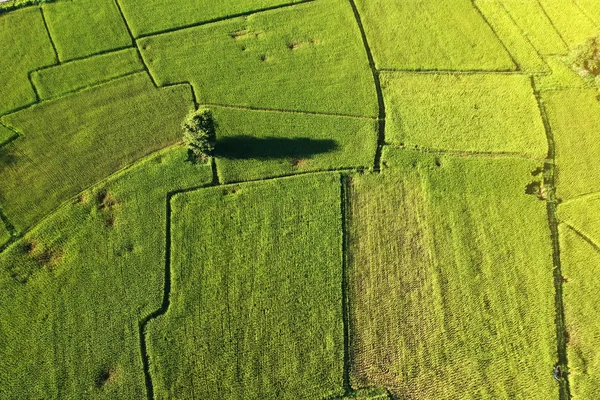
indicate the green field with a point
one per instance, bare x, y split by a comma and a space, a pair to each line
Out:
448, 258
307, 59
20, 54
259, 144
69, 143
76, 287
472, 113
150, 16
80, 28
299, 199
62, 79
257, 305
441, 35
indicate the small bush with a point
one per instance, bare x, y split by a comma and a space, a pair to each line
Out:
199, 134
587, 56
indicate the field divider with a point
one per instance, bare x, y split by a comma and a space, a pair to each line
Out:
344, 201
49, 35
11, 230
224, 18
482, 15
561, 369
462, 72
274, 110
583, 236
378, 90
553, 26
468, 154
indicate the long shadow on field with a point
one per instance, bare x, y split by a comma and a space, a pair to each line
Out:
244, 147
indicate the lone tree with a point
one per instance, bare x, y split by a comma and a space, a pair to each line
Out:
199, 134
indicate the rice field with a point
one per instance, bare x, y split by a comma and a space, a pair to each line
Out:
379, 200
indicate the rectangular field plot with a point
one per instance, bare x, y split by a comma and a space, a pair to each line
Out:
258, 144
523, 52
531, 17
309, 57
75, 288
256, 294
68, 77
450, 280
474, 113
24, 47
69, 143
580, 261
81, 28
440, 35
571, 22
574, 117
149, 16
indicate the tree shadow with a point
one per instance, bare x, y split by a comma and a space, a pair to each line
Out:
245, 147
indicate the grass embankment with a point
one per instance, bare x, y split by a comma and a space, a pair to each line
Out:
256, 294
445, 35
76, 286
474, 113
76, 75
450, 274
150, 16
309, 57
80, 28
70, 143
24, 47
258, 144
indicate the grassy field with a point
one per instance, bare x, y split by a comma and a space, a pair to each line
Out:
448, 261
562, 77
69, 143
575, 131
4, 234
76, 286
580, 266
256, 308
591, 8
441, 35
150, 16
80, 28
24, 47
5, 135
61, 79
303, 58
475, 113
573, 25
258, 144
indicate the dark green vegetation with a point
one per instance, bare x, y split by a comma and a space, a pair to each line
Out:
199, 134
449, 258
439, 242
257, 306
76, 287
276, 60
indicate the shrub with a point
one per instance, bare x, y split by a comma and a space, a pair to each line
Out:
587, 56
199, 134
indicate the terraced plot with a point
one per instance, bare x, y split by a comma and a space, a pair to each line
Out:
303, 58
575, 131
256, 303
80, 28
440, 35
76, 75
473, 113
21, 53
151, 16
259, 144
450, 273
75, 288
580, 260
70, 143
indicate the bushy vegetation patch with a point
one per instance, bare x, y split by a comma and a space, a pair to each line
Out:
574, 117
199, 134
441, 35
572, 23
76, 75
24, 47
70, 143
81, 28
149, 16
256, 303
450, 277
249, 62
479, 113
258, 144
74, 290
